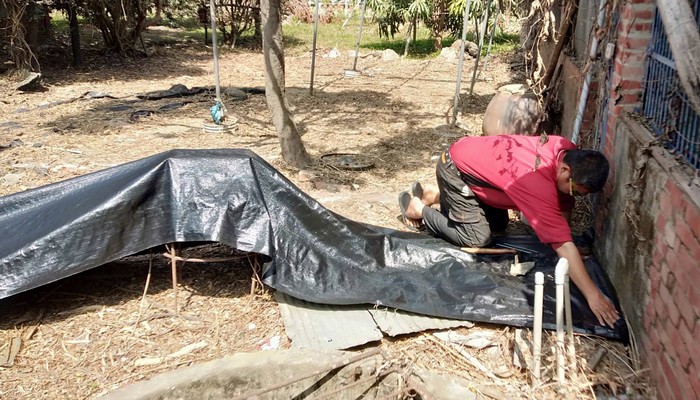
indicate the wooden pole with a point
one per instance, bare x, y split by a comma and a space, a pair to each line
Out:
561, 40
173, 264
313, 47
482, 250
683, 36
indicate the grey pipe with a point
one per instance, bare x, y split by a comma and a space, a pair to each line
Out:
587, 80
313, 48
212, 15
461, 62
359, 34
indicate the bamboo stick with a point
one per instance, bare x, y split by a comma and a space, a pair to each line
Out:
481, 250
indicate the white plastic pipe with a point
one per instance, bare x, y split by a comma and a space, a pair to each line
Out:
537, 329
560, 274
587, 80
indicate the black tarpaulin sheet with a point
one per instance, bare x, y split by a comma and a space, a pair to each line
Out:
236, 198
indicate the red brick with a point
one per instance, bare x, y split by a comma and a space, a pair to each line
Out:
659, 307
649, 316
654, 273
665, 209
694, 298
629, 98
692, 217
670, 237
615, 113
628, 84
694, 250
656, 259
679, 349
671, 309
643, 14
628, 69
686, 334
694, 375
650, 2
684, 233
677, 198
671, 284
687, 270
665, 269
633, 58
626, 13
669, 372
642, 26
694, 349
680, 291
684, 381
681, 298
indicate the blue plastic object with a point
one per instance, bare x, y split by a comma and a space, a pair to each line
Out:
217, 113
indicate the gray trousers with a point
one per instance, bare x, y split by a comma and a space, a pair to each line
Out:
463, 219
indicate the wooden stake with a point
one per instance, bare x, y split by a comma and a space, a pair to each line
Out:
173, 264
480, 250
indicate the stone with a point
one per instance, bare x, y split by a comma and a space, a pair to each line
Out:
12, 179
306, 175
470, 48
236, 94
390, 55
448, 54
334, 53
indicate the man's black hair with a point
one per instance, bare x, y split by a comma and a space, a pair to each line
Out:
589, 168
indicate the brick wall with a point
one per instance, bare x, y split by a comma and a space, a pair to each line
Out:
649, 224
671, 316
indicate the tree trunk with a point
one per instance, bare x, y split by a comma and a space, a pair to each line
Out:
293, 150
684, 38
75, 35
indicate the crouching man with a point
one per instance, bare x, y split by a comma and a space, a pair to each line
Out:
480, 178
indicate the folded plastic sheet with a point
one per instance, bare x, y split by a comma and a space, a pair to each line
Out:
235, 197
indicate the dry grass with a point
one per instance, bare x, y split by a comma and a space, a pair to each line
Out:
96, 331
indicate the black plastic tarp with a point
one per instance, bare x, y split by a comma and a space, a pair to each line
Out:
236, 198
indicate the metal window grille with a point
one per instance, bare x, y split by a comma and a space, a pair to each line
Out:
666, 105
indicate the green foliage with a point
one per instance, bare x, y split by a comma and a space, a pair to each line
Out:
440, 16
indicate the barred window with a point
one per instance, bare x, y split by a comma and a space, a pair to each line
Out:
666, 105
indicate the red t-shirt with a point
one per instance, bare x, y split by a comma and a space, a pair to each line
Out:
507, 162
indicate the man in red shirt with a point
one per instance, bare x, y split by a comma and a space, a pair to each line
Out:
480, 178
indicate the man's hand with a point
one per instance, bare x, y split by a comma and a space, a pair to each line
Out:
601, 306
603, 309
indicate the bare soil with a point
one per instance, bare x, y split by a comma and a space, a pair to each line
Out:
89, 334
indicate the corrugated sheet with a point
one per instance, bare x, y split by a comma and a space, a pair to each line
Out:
396, 322
322, 326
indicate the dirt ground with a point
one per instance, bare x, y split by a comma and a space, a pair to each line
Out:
89, 334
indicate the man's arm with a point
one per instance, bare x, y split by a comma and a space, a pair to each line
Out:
601, 306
